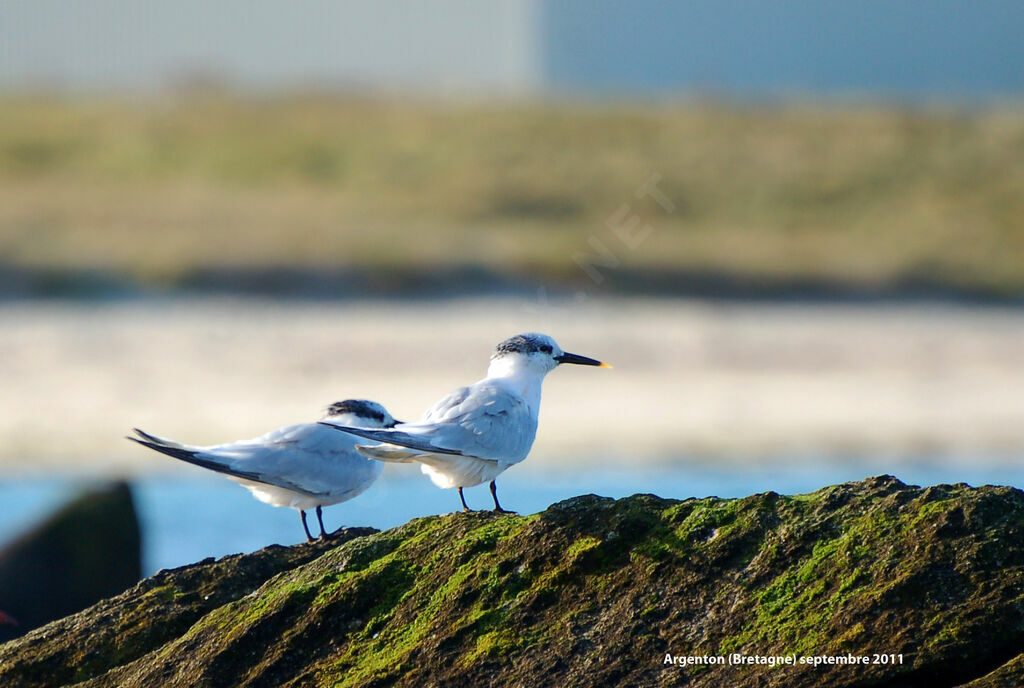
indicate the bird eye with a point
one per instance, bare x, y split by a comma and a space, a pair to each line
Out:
545, 348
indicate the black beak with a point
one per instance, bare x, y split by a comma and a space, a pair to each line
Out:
580, 360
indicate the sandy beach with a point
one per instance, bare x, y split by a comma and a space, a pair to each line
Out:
691, 378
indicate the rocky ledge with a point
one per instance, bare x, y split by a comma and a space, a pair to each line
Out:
873, 583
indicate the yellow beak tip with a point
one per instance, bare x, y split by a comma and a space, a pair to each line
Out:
604, 365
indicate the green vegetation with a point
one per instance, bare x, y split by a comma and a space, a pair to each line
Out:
155, 191
589, 591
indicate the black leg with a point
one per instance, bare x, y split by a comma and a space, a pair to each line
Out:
309, 537
497, 507
320, 518
465, 507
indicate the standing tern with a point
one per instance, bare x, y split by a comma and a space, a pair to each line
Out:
300, 466
476, 432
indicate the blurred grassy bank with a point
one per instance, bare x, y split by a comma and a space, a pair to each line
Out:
157, 192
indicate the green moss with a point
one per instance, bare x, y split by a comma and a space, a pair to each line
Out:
584, 544
868, 567
491, 644
795, 609
380, 648
167, 593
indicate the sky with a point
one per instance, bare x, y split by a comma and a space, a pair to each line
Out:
903, 49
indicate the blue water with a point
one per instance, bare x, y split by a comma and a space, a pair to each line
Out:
185, 519
903, 48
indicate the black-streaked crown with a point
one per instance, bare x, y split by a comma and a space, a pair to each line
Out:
357, 407
528, 343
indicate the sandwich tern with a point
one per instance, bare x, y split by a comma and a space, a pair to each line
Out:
472, 435
299, 466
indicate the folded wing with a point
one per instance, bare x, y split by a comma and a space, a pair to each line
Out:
484, 421
297, 451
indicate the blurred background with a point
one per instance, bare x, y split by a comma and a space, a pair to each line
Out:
795, 229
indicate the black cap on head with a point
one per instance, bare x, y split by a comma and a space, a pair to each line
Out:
527, 343
357, 407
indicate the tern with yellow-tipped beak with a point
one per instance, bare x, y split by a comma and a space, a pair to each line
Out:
477, 432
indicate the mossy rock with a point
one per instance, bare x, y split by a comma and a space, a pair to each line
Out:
590, 592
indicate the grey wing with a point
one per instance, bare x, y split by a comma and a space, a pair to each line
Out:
445, 406
484, 421
309, 459
415, 435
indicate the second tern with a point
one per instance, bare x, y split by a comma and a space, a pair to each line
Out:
299, 466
